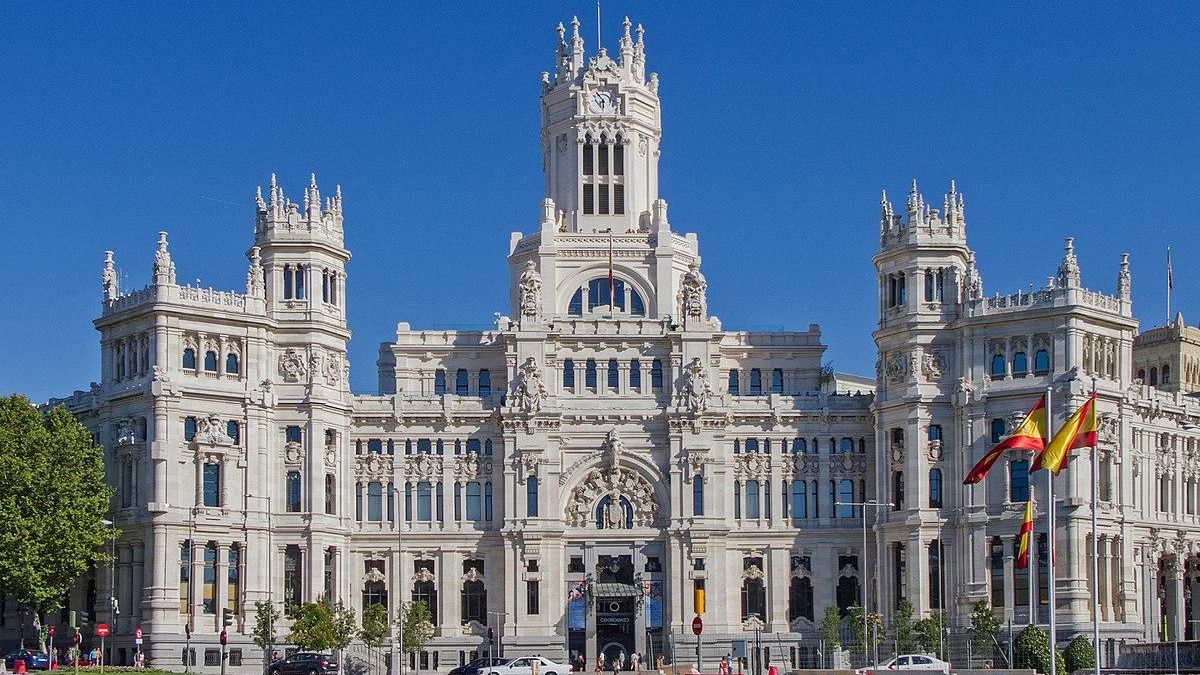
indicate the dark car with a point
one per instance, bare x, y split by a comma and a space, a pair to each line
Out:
304, 663
478, 666
33, 660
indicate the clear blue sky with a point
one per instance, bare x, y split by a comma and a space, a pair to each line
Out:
782, 121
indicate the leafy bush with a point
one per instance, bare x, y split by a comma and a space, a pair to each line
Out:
1080, 655
1031, 649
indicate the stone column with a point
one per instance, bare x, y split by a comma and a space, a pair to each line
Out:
778, 578
450, 591
1178, 579
197, 583
1010, 579
1103, 589
137, 580
221, 581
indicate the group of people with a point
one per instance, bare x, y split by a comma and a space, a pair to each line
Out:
618, 662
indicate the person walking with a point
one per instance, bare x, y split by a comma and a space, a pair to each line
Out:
635, 660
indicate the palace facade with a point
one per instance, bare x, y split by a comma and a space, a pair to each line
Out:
607, 461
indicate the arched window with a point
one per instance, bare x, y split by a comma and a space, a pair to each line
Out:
999, 429
800, 599
697, 495
487, 447
901, 291
735, 384
799, 499
424, 501
602, 511
847, 445
487, 500
375, 501
189, 358
614, 375
189, 428
210, 361
485, 383
935, 488
635, 375
439, 382
426, 591
1041, 362
1018, 480
624, 298
531, 496
755, 382
374, 446
1166, 374
568, 374
233, 432
589, 374
1153, 376
287, 282
231, 364
777, 381
928, 285
461, 384
1141, 374
300, 282
997, 366
751, 445
897, 490
752, 499
293, 492
656, 374
474, 596
1020, 364
799, 446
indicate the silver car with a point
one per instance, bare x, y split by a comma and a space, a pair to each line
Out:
525, 666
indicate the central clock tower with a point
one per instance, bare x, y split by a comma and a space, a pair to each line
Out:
601, 128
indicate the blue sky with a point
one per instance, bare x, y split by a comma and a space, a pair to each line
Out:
782, 121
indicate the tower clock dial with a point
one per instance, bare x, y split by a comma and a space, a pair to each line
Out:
601, 101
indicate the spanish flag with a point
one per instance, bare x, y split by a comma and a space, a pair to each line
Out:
1078, 432
1031, 435
1024, 535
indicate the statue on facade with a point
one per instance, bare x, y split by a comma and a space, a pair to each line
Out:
696, 388
615, 516
254, 274
529, 390
613, 448
530, 287
692, 288
164, 267
109, 278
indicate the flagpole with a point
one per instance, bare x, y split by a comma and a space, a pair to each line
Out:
1031, 564
1170, 285
1050, 533
1095, 557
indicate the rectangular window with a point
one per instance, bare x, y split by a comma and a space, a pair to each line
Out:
697, 495
375, 501
185, 578
619, 159
752, 502
424, 501
1018, 480
212, 484
292, 502
461, 382
619, 199
474, 501
568, 374
209, 590
603, 157
233, 581
635, 374
614, 374
735, 383
589, 199
531, 496
439, 382
589, 152
531, 597
656, 374
602, 198
589, 374
293, 434
330, 494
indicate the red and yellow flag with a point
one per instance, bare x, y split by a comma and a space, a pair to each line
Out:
1078, 432
1024, 535
1031, 435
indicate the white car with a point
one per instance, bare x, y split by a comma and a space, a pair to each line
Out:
909, 662
525, 666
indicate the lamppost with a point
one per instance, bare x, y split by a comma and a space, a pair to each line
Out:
398, 625
112, 584
756, 624
866, 598
499, 634
270, 583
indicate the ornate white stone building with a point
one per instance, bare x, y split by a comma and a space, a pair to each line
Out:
574, 475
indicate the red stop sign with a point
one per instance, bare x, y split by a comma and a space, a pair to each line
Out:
101, 630
697, 625
50, 630
137, 633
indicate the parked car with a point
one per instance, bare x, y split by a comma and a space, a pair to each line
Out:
304, 663
478, 666
524, 666
33, 660
909, 662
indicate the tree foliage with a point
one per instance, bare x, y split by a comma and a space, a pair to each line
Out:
322, 626
902, 626
53, 503
375, 625
985, 628
831, 625
1080, 654
1031, 649
861, 631
265, 618
418, 627
929, 633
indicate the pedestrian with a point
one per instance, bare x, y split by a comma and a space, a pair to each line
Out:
618, 662
599, 664
635, 662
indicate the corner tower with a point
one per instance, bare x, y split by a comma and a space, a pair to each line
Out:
601, 127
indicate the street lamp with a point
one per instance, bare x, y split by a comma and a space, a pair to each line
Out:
398, 625
866, 604
756, 624
112, 584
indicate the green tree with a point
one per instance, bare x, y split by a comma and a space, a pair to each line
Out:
323, 625
985, 628
53, 504
1080, 655
265, 617
1031, 649
831, 625
873, 627
417, 623
375, 627
902, 626
928, 632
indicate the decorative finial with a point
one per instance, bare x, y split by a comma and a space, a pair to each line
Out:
1068, 269
574, 27
109, 278
626, 25
641, 32
164, 267
1124, 279
561, 33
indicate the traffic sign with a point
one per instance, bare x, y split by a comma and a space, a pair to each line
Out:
697, 625
102, 630
137, 635
50, 630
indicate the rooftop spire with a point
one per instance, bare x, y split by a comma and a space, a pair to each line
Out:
1068, 269
164, 267
1124, 280
109, 278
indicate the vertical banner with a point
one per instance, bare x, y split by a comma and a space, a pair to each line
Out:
576, 607
654, 606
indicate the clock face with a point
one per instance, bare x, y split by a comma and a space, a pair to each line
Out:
601, 101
